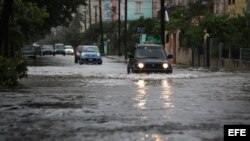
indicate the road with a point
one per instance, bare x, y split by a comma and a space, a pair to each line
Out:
64, 101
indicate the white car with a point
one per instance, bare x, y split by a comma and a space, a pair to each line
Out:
69, 50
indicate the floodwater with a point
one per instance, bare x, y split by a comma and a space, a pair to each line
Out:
64, 101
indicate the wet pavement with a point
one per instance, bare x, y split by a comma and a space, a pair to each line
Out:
61, 100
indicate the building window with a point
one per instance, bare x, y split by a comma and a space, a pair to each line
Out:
138, 5
231, 2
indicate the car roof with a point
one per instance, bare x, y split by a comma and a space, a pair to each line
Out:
47, 45
68, 46
149, 45
81, 46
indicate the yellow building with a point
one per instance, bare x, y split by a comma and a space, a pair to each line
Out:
235, 7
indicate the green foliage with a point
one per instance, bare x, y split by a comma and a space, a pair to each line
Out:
74, 38
152, 29
192, 37
29, 19
233, 31
11, 70
59, 11
217, 25
180, 19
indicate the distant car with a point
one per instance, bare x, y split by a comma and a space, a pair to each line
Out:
29, 51
38, 49
69, 50
59, 49
90, 54
149, 58
47, 50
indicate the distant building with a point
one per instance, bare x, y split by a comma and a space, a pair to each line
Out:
90, 15
136, 9
139, 8
107, 10
231, 7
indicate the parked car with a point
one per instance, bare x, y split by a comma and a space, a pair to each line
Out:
47, 50
69, 50
29, 51
89, 54
59, 49
149, 58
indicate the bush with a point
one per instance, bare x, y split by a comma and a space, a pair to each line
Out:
12, 69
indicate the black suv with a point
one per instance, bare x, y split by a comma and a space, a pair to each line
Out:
149, 58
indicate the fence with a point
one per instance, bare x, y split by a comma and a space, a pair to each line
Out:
217, 56
245, 54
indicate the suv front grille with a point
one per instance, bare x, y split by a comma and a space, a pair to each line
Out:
153, 66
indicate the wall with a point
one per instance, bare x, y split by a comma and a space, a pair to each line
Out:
184, 56
231, 65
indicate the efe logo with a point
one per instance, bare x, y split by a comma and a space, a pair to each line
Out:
236, 132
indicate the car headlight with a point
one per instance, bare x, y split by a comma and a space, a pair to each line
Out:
83, 54
140, 65
98, 54
165, 65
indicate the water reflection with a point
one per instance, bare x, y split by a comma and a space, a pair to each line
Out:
166, 94
141, 94
162, 95
151, 137
157, 137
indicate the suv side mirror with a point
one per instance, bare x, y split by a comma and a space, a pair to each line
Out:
170, 56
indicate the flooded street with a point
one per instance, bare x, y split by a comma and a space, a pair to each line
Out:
64, 101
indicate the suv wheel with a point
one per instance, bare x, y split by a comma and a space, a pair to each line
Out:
128, 69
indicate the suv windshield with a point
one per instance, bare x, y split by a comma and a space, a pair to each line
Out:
150, 52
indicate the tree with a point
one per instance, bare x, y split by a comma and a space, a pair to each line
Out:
7, 8
60, 11
22, 21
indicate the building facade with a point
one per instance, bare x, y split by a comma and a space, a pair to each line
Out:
91, 13
231, 7
114, 6
139, 8
136, 9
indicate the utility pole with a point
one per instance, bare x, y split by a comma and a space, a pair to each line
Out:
95, 13
85, 20
119, 27
125, 30
162, 23
101, 29
89, 13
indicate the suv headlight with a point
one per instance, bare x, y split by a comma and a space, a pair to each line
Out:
165, 65
83, 54
98, 54
140, 65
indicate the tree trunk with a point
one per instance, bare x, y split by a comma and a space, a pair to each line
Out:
5, 20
